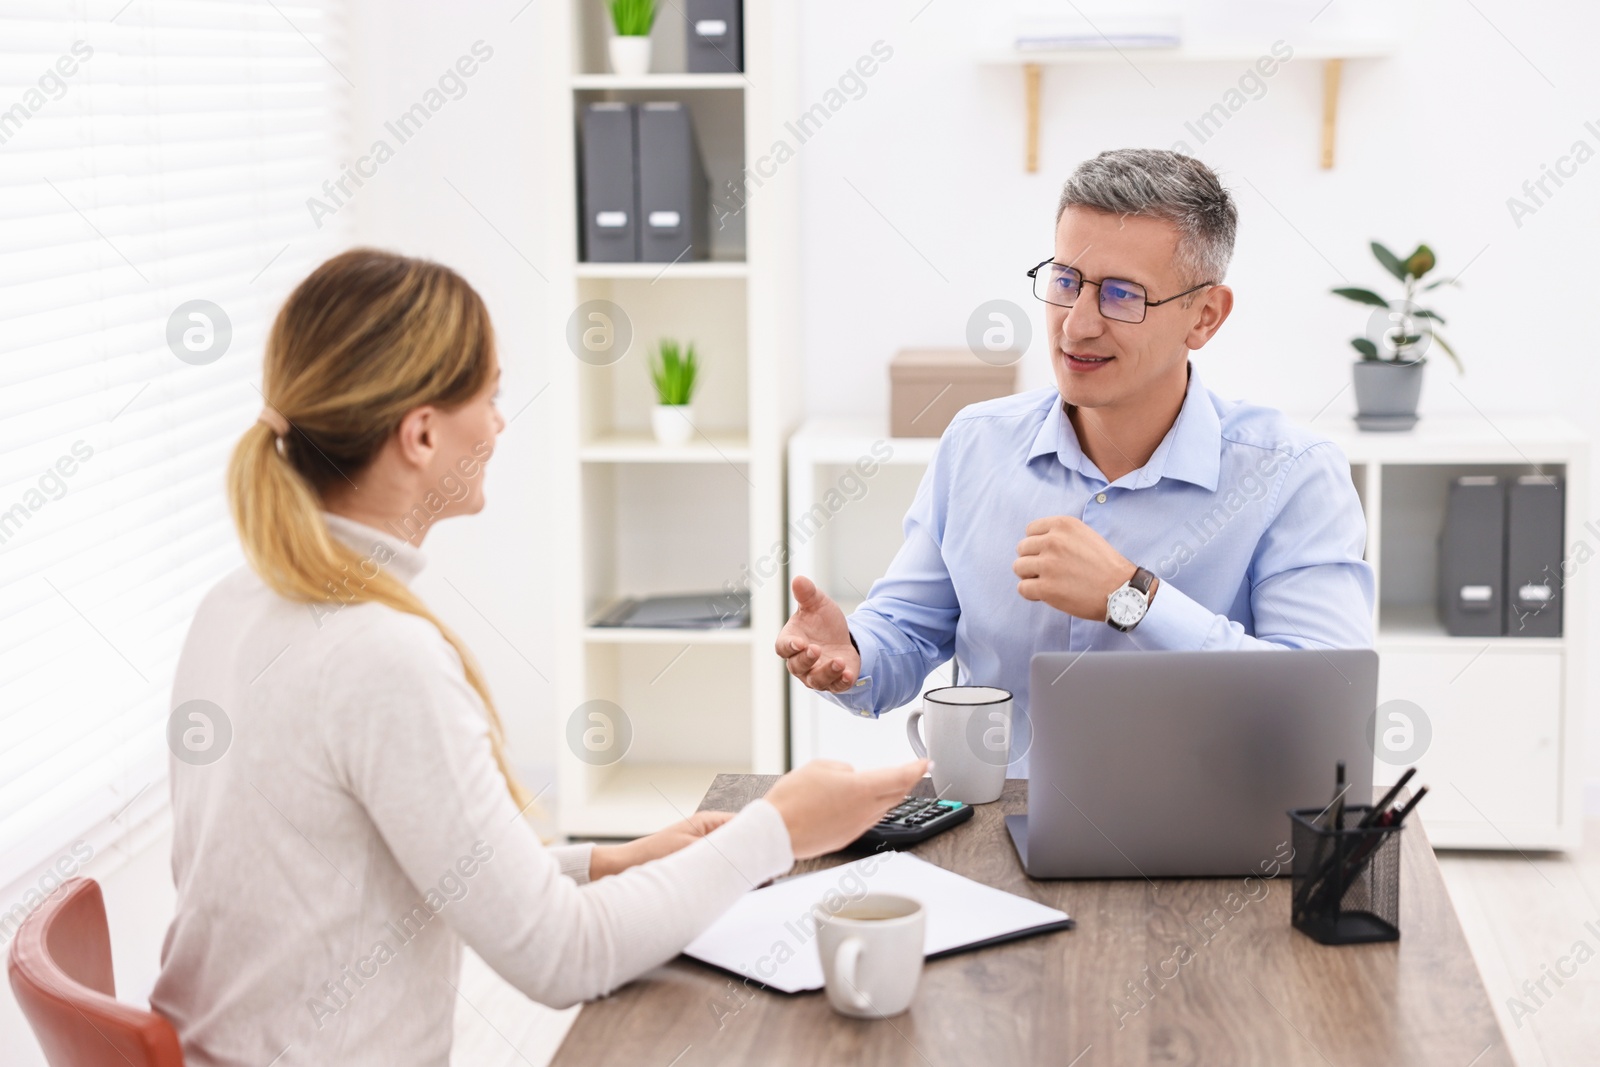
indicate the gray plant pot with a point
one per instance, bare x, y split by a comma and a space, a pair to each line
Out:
1387, 393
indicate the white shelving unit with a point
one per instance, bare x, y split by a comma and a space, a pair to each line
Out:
637, 518
1505, 713
687, 270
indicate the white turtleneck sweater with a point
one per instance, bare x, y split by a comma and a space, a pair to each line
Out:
356, 830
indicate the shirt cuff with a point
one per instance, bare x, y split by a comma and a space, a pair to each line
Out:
1175, 622
574, 860
756, 842
858, 698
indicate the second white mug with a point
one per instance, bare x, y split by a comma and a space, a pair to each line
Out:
872, 953
968, 739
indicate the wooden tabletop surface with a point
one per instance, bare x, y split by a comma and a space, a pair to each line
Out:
1202, 971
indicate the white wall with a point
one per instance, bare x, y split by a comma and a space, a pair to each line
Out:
487, 576
1431, 144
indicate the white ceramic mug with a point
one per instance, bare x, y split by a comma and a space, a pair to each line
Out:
969, 740
872, 953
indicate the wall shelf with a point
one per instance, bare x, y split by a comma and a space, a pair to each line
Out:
1357, 48
1331, 54
1505, 713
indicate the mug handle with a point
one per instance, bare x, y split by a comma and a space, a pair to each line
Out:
914, 735
845, 960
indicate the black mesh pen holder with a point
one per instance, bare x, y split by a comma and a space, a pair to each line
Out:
1346, 882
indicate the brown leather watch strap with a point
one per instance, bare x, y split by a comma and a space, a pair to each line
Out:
1141, 580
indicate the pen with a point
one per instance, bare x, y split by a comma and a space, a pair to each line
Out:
1401, 816
1340, 871
1338, 800
1389, 820
1318, 868
1381, 807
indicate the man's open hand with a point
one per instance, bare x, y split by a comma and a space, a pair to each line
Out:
815, 642
1065, 563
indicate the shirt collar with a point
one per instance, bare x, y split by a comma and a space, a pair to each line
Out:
402, 559
1191, 451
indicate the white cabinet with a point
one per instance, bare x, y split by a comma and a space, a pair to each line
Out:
1494, 724
848, 492
1493, 744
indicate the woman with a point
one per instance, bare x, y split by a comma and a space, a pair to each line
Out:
362, 819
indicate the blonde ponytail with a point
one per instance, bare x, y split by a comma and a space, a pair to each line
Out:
365, 338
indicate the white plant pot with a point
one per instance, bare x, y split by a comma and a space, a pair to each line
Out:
671, 425
630, 56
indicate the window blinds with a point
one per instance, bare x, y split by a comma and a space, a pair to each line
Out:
155, 162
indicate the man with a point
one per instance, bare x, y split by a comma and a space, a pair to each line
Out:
1127, 507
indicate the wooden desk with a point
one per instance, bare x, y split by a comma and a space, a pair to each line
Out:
1117, 990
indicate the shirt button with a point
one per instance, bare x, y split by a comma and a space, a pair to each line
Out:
1100, 498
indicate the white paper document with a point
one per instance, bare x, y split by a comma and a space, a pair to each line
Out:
770, 934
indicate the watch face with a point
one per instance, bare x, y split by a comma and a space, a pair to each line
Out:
1125, 607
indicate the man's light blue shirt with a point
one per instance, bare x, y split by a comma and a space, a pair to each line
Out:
1251, 523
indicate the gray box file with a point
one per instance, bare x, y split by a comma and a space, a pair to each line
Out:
1534, 504
674, 195
1472, 557
610, 181
715, 36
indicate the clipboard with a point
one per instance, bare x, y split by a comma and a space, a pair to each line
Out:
768, 937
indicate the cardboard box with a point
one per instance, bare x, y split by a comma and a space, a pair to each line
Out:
927, 386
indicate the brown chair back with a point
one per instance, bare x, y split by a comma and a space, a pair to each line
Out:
61, 973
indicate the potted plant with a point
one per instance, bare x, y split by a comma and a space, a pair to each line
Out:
630, 48
1388, 376
675, 370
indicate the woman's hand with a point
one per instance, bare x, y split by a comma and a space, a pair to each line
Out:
614, 859
827, 804
679, 835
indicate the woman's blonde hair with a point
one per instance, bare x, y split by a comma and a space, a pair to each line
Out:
367, 337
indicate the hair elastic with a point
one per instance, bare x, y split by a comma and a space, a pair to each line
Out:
273, 418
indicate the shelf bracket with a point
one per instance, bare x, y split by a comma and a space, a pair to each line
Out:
1030, 82
1331, 70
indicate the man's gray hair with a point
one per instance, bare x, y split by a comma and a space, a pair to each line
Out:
1156, 183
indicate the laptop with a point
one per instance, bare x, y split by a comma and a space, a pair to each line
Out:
1183, 764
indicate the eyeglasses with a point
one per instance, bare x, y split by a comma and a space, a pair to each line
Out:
1121, 300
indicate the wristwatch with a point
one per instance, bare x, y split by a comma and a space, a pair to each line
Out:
1129, 601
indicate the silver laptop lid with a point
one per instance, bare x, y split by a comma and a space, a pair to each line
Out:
1147, 764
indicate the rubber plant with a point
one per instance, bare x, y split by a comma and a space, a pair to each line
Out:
1404, 334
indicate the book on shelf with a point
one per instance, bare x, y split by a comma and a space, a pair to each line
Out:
686, 611
1105, 30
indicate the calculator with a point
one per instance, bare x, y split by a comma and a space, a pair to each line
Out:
913, 820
